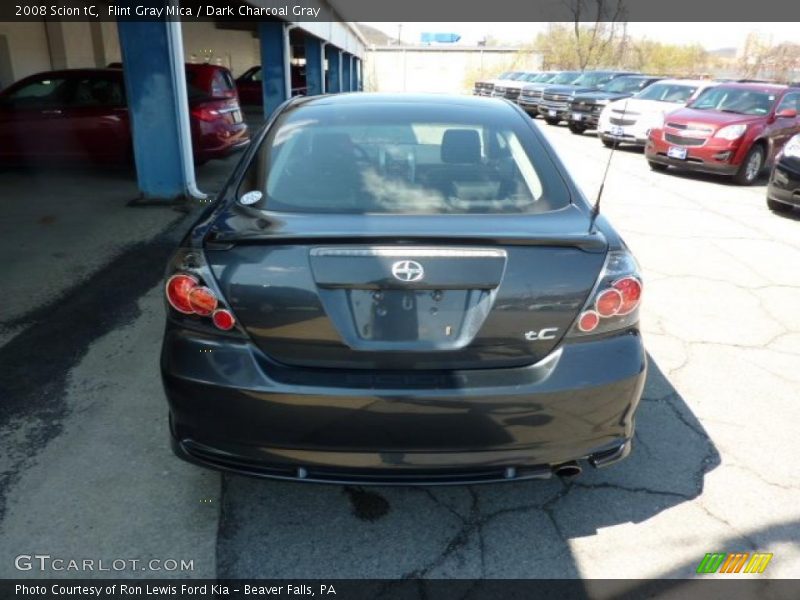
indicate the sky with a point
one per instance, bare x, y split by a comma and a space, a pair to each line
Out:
720, 35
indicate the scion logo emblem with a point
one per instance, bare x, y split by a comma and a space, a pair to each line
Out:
408, 270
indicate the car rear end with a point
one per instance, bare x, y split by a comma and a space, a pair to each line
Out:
217, 121
429, 308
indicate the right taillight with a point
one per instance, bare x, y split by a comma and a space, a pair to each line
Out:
614, 302
630, 289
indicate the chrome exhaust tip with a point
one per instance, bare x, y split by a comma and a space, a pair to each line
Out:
609, 457
568, 470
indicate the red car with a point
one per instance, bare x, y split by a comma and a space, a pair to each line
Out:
82, 114
731, 129
249, 84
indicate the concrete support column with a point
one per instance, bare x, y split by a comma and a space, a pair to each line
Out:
273, 38
334, 56
314, 71
155, 82
347, 64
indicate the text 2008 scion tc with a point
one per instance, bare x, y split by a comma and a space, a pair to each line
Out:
402, 289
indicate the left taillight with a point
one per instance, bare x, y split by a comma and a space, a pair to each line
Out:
192, 293
614, 302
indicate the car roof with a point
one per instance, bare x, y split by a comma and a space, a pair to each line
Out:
757, 87
378, 98
205, 66
75, 72
696, 82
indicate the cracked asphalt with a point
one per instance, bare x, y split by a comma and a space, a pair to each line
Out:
87, 472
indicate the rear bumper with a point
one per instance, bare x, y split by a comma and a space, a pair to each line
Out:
234, 410
220, 141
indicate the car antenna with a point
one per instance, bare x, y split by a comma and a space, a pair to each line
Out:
596, 207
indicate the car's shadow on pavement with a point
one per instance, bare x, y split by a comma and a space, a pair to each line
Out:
515, 530
760, 182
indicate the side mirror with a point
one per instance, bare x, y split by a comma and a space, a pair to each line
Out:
787, 113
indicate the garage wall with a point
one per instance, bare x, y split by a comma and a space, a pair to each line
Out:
108, 43
78, 50
35, 47
27, 48
237, 50
440, 69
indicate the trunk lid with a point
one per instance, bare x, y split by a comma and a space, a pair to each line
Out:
406, 292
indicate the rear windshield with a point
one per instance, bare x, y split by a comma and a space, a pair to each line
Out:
403, 158
668, 92
736, 100
222, 83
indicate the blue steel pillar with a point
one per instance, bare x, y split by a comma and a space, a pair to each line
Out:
333, 55
274, 64
314, 74
156, 90
347, 63
358, 84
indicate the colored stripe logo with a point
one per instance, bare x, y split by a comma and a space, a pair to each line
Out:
734, 562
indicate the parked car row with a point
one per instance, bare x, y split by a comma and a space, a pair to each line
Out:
730, 128
78, 115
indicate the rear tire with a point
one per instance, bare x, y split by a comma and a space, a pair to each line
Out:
552, 121
608, 143
778, 207
656, 166
751, 166
577, 129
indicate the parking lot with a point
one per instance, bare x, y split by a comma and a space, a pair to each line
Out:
714, 466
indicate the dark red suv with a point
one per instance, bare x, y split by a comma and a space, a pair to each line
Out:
731, 129
82, 115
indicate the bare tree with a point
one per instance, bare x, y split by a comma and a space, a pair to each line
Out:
597, 24
760, 58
